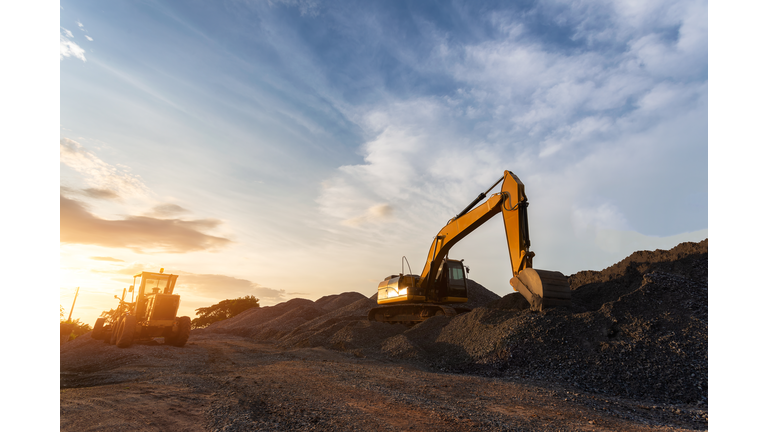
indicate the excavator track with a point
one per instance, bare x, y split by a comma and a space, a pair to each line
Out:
542, 288
409, 314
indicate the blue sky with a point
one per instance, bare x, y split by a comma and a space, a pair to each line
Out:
299, 148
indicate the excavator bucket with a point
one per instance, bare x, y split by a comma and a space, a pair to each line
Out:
542, 288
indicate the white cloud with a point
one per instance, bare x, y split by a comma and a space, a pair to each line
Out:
89, 38
68, 48
100, 174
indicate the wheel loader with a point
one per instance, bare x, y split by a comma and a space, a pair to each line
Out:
151, 314
410, 299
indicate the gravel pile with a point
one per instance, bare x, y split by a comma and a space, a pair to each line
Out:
337, 321
274, 322
637, 329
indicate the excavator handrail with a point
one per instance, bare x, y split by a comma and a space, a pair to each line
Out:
515, 225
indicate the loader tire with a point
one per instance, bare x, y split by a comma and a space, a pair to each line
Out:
179, 339
127, 329
98, 329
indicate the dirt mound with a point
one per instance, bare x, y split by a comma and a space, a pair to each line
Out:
687, 260
512, 301
274, 322
338, 301
337, 321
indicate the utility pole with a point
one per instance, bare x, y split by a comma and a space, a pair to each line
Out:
65, 328
73, 305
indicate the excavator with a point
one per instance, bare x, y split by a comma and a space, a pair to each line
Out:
410, 299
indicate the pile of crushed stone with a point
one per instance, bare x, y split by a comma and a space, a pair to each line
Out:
337, 321
637, 329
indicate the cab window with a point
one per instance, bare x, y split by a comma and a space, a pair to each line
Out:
151, 282
456, 275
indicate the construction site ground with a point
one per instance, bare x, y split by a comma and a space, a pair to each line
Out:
630, 355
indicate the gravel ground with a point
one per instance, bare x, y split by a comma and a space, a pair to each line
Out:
222, 382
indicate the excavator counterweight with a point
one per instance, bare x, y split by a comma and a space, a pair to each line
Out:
412, 298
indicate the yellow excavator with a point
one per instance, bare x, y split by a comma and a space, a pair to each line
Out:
410, 298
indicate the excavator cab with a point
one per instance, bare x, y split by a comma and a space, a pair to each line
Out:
451, 283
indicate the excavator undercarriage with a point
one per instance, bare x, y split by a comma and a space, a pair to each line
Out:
409, 314
410, 299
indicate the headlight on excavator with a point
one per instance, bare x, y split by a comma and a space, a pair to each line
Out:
397, 292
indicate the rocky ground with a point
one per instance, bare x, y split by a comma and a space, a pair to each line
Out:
629, 354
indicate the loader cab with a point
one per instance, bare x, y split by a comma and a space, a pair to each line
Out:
155, 299
452, 282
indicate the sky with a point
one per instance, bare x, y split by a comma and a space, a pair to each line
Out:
297, 148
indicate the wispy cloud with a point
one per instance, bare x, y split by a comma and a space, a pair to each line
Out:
105, 178
100, 193
89, 38
138, 233
374, 214
166, 210
68, 48
110, 259
217, 286
130, 270
306, 7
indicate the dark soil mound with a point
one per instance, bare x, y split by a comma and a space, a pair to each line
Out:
512, 301
637, 329
687, 260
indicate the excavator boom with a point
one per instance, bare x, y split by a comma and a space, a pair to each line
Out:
512, 202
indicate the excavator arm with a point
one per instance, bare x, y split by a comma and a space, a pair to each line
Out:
512, 202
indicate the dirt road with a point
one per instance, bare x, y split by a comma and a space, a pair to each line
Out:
230, 383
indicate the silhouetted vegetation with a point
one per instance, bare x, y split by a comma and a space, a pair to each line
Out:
75, 327
223, 310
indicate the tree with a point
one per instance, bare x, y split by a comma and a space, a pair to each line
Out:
223, 310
